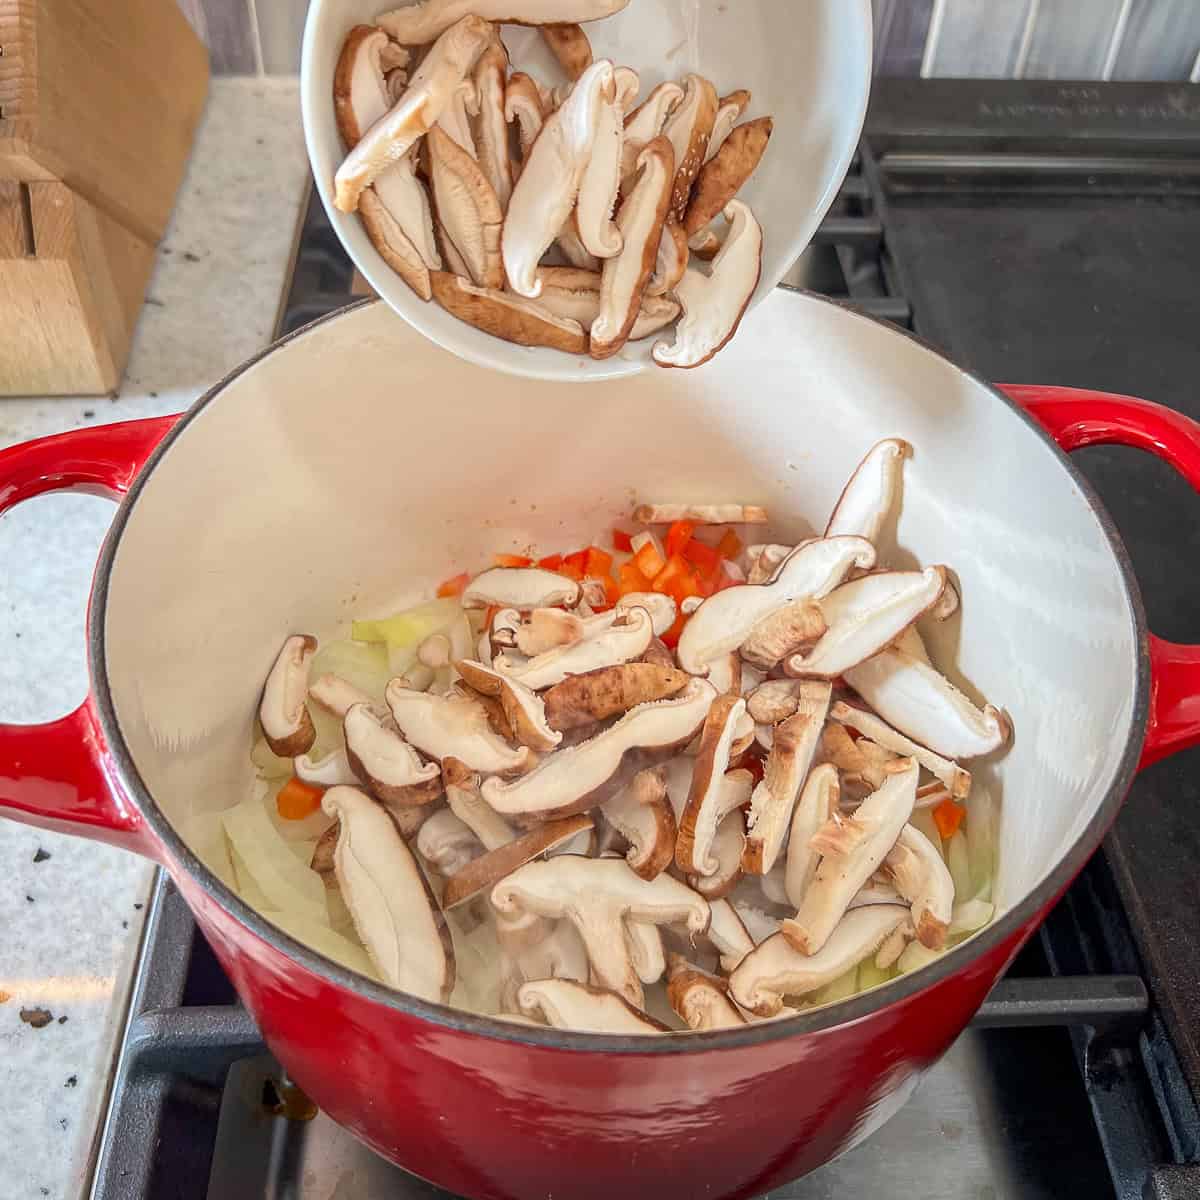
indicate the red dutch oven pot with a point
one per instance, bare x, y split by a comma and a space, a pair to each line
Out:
354, 457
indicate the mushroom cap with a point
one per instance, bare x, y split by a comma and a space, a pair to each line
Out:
581, 776
569, 45
360, 95
522, 588
582, 700
286, 724
776, 968
566, 1004
451, 726
688, 127
726, 619
722, 176
389, 900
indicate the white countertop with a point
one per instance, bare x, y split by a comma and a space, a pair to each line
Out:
71, 912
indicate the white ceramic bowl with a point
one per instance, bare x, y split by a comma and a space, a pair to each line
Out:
807, 62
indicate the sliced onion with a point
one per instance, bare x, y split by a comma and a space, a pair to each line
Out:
960, 871
362, 664
264, 859
915, 955
318, 936
981, 832
205, 836
970, 916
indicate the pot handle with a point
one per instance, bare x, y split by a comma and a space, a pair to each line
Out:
54, 775
1074, 418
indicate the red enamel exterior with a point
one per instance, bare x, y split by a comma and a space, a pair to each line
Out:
504, 1120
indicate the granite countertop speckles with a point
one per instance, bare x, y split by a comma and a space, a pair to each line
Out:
71, 912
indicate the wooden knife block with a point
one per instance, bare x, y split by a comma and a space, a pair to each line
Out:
99, 102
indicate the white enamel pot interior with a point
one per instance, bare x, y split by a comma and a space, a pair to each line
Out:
807, 63
350, 468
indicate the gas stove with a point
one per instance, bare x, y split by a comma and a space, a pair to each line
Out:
1036, 232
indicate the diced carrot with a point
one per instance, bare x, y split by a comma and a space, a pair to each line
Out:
578, 560
948, 816
704, 558
571, 571
612, 590
730, 545
598, 562
551, 562
649, 561
678, 536
455, 586
512, 560
622, 541
673, 570
632, 580
297, 799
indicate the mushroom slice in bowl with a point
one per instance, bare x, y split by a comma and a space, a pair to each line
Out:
670, 259
864, 615
728, 934
547, 629
336, 695
582, 700
587, 774
644, 124
729, 112
396, 215
701, 813
565, 1004
446, 843
448, 63
957, 779
451, 726
918, 700
726, 849
417, 24
522, 588
713, 305
286, 724
394, 913
724, 621
455, 121
491, 74
625, 275
385, 763
792, 750
550, 177
598, 895
326, 772
601, 181
489, 869
569, 45
661, 607
360, 95
523, 707
921, 876
621, 642
852, 851
701, 1000
818, 803
642, 814
688, 127
722, 176
774, 700
523, 105
871, 492
646, 951
655, 313
776, 968
468, 208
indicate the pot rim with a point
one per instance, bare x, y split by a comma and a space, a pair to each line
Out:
840, 1013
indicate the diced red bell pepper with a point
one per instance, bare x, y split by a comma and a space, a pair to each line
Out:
597, 562
571, 570
649, 561
552, 562
622, 541
671, 637
671, 577
632, 580
297, 799
730, 545
512, 560
577, 561
455, 586
704, 558
948, 816
678, 536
